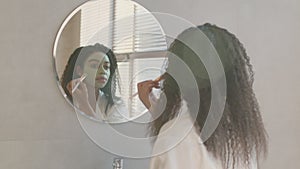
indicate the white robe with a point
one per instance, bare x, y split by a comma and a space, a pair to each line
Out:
180, 137
187, 153
117, 113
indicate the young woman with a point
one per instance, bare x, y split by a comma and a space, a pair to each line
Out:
89, 81
239, 138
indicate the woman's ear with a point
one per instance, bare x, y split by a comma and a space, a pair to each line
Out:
78, 70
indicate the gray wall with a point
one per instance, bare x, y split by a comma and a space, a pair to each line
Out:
38, 129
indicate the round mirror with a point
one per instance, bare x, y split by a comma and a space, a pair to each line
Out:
102, 50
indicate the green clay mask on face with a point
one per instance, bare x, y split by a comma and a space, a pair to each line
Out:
97, 68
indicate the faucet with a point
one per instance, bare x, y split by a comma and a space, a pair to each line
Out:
117, 163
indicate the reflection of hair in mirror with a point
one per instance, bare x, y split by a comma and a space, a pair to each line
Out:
78, 57
240, 131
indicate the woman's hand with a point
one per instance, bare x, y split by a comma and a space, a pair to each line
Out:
80, 96
144, 89
78, 90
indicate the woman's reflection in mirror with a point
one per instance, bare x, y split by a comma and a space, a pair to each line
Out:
90, 83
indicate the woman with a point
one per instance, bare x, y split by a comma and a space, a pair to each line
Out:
89, 81
239, 139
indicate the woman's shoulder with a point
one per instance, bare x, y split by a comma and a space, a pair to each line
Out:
179, 140
181, 122
185, 151
179, 129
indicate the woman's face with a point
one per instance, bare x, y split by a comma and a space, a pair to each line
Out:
97, 68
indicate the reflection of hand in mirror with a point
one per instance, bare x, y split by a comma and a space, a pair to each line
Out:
78, 83
78, 89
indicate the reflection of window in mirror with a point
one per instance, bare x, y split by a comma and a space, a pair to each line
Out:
123, 27
138, 66
135, 35
128, 29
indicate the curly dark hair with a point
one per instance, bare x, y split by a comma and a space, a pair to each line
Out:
78, 58
240, 136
